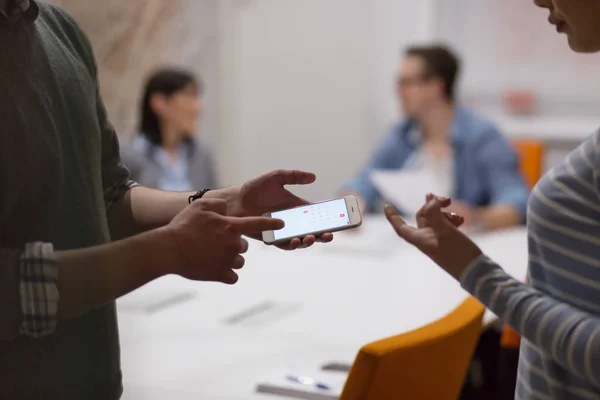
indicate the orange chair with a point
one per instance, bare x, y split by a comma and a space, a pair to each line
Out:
510, 339
428, 363
531, 154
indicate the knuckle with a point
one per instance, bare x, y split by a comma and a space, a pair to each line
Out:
229, 228
277, 172
201, 203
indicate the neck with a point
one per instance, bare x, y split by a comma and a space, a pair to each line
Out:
436, 122
170, 139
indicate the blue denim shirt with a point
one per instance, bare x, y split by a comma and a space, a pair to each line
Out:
150, 166
174, 173
486, 166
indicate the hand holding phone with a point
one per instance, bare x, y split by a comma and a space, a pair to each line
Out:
315, 219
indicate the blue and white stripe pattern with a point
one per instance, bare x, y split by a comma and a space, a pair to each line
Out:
558, 311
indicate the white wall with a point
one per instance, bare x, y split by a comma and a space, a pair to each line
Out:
308, 83
508, 45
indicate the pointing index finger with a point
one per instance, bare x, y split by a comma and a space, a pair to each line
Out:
248, 225
295, 177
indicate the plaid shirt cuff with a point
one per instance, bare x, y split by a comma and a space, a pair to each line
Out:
38, 289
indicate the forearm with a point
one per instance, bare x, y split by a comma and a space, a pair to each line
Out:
89, 278
11, 315
39, 287
142, 209
565, 333
497, 216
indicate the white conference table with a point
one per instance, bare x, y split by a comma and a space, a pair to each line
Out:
311, 307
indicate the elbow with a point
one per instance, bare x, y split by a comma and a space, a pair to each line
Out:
500, 216
514, 202
11, 322
11, 313
520, 207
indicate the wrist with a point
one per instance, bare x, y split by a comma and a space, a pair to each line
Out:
232, 196
469, 257
467, 251
155, 254
467, 271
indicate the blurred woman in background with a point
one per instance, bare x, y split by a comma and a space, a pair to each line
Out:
165, 155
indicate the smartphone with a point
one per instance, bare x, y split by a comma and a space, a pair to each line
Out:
314, 219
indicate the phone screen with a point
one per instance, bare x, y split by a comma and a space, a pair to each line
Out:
312, 218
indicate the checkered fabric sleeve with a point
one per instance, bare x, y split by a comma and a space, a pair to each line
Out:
38, 290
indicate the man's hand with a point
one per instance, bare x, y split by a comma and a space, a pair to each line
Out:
207, 245
437, 235
267, 193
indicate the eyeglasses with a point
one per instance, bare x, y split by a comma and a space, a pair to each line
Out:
404, 81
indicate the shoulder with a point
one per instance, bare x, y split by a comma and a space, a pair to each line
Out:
54, 12
67, 31
399, 132
591, 147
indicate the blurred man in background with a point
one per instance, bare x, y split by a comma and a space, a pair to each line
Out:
468, 157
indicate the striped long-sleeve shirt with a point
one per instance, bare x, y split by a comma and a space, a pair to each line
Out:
558, 311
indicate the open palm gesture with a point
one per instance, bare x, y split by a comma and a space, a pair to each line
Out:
437, 235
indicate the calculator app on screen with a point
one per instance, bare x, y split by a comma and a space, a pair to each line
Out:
312, 218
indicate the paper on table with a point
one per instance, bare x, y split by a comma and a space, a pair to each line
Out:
154, 297
405, 189
278, 383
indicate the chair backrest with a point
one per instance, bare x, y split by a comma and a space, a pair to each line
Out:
509, 338
428, 363
531, 155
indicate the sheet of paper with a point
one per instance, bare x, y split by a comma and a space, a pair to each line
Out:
282, 382
405, 189
263, 313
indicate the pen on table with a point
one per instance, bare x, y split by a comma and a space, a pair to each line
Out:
305, 380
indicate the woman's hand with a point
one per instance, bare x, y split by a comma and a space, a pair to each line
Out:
437, 235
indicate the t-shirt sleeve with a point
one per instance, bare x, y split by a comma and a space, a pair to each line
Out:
115, 176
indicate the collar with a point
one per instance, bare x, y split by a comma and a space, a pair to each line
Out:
141, 144
458, 133
27, 10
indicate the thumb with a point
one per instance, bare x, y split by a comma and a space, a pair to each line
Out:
403, 230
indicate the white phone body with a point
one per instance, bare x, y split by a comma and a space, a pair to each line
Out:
314, 219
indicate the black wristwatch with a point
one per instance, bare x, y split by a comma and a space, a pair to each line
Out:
197, 195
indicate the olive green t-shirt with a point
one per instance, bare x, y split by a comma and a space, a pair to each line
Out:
59, 172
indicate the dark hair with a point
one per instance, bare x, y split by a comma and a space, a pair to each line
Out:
166, 81
439, 62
